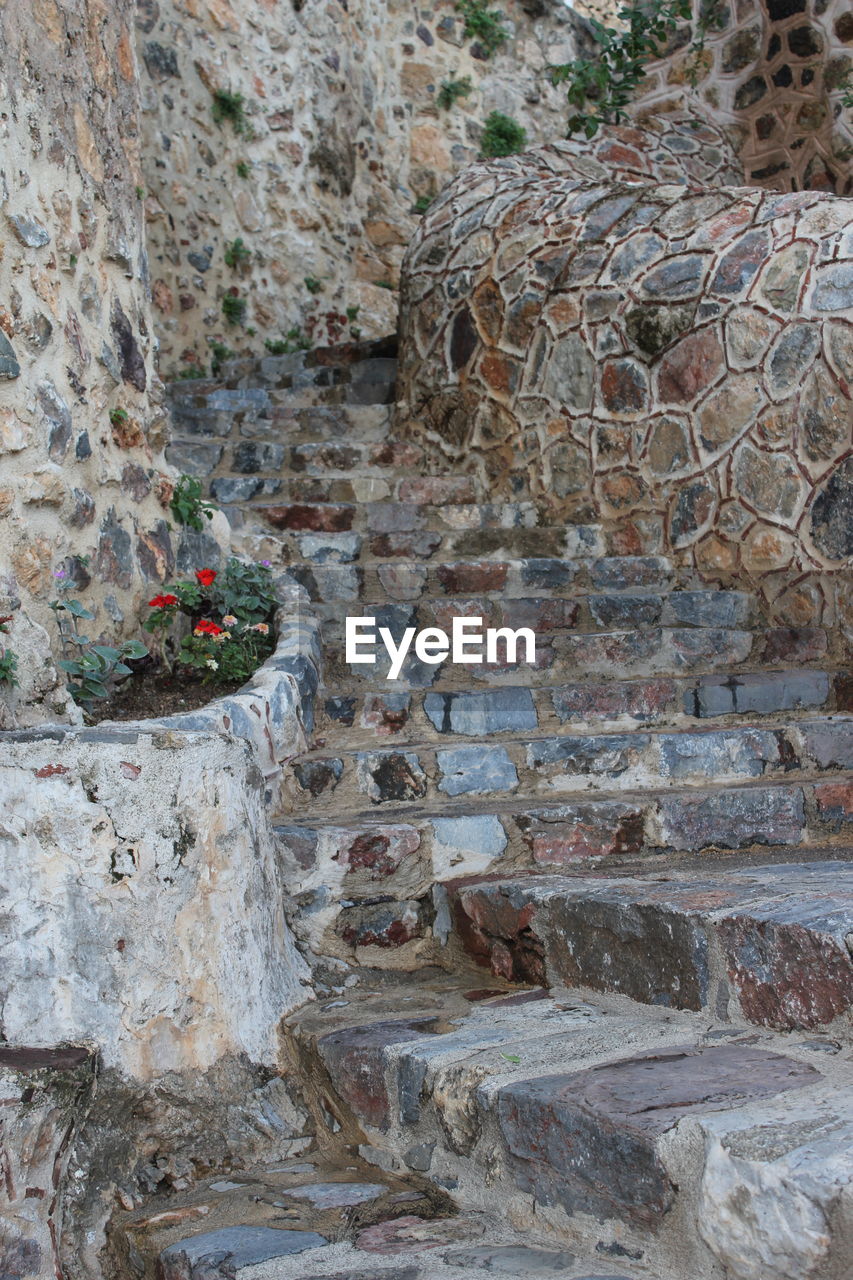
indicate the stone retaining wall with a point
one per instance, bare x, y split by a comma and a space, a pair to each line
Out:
144, 918
674, 363
342, 137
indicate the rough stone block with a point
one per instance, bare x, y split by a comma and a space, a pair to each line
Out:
475, 714
230, 1250
589, 1141
764, 693
731, 819
391, 775
476, 771
466, 845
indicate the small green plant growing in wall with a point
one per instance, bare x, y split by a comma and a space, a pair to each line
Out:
92, 668
294, 340
219, 353
502, 136
452, 90
313, 285
231, 107
420, 207
600, 88
243, 169
483, 24
188, 506
118, 417
237, 252
8, 658
234, 308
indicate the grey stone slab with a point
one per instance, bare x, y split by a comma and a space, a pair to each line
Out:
475, 714
337, 1195
512, 1259
241, 1246
476, 771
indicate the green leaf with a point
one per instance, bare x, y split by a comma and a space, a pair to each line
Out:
77, 609
106, 652
510, 1057
121, 670
133, 649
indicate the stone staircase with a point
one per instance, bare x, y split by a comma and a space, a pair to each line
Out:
599, 904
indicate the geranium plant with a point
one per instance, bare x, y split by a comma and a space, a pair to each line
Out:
230, 613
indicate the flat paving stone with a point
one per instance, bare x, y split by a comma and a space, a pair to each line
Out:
512, 1259
232, 1248
337, 1195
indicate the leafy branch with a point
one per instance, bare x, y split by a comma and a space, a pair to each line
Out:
601, 88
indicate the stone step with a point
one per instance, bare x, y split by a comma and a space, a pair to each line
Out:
416, 525
770, 944
540, 614
370, 884
563, 656
623, 577
216, 416
308, 1213
357, 717
274, 1223
543, 765
663, 1139
319, 471
358, 487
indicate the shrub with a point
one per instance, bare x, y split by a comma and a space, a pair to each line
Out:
232, 107
188, 506
483, 24
8, 658
234, 308
502, 136
237, 252
601, 88
452, 90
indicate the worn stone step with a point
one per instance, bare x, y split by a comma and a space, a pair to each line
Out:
354, 716
770, 945
682, 1144
583, 574
319, 470
218, 416
306, 1212
420, 524
543, 764
370, 882
359, 486
563, 656
539, 614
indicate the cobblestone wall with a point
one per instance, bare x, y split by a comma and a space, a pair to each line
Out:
76, 340
342, 137
675, 363
774, 71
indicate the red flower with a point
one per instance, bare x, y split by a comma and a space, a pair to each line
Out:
205, 576
207, 628
163, 602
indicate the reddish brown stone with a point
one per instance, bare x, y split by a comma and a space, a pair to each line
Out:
498, 933
478, 575
354, 1058
691, 366
834, 801
795, 644
786, 975
314, 519
624, 387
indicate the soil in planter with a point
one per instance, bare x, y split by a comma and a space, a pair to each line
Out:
149, 695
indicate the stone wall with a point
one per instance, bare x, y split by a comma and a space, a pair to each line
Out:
77, 491
674, 363
342, 137
144, 913
773, 71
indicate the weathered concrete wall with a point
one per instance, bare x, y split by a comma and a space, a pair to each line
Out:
343, 136
144, 917
76, 336
674, 364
